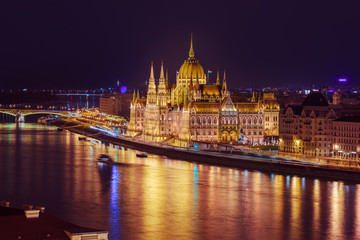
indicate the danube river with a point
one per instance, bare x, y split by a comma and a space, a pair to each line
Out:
161, 198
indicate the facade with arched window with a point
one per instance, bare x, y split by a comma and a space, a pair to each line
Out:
195, 110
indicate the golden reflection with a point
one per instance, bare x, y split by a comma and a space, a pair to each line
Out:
336, 210
257, 199
357, 212
160, 198
278, 206
295, 219
316, 207
156, 191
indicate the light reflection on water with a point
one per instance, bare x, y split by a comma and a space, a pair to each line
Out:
160, 198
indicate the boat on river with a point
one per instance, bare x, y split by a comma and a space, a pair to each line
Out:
142, 155
105, 159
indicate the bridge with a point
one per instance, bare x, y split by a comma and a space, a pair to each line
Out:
20, 114
79, 94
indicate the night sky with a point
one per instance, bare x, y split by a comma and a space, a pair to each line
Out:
260, 43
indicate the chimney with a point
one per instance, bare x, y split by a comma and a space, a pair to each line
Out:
27, 206
42, 209
4, 204
32, 213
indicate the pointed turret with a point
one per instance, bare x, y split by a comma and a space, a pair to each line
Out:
152, 78
253, 96
151, 93
162, 90
162, 76
134, 97
138, 95
191, 52
224, 86
218, 78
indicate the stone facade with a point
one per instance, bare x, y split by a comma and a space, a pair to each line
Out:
346, 138
194, 110
316, 128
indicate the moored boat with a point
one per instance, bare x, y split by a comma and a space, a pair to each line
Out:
142, 155
105, 158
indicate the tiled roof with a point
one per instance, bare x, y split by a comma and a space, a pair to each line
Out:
315, 99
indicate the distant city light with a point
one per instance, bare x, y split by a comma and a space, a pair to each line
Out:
123, 89
25, 89
342, 80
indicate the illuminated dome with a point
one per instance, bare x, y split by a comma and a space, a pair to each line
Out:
191, 68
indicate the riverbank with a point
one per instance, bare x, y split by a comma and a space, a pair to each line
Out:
241, 159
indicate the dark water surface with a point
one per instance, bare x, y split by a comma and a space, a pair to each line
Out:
160, 198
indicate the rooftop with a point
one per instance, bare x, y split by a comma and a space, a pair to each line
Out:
348, 119
315, 99
15, 225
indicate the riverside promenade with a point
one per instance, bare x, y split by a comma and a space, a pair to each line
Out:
236, 159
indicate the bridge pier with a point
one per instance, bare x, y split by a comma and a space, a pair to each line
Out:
19, 117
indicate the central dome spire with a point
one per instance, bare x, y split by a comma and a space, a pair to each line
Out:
191, 68
191, 52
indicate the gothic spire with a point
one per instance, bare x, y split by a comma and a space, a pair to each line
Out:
152, 78
218, 78
191, 52
224, 86
134, 97
162, 78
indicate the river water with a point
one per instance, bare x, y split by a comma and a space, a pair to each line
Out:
161, 198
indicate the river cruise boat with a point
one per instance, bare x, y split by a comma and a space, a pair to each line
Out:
105, 158
142, 155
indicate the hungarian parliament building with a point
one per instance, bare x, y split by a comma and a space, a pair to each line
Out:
195, 110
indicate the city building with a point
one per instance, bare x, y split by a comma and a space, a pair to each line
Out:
346, 138
116, 104
316, 127
259, 117
29, 223
195, 110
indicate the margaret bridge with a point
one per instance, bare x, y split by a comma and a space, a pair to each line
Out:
20, 114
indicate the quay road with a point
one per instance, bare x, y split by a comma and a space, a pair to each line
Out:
242, 159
